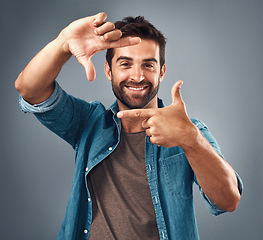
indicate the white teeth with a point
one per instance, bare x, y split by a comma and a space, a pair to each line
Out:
137, 89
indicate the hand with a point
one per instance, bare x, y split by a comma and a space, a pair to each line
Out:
169, 126
87, 36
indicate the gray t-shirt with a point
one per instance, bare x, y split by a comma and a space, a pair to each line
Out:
122, 205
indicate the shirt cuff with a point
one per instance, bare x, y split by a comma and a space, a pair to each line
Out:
211, 206
45, 106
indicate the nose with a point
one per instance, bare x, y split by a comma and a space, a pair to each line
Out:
136, 74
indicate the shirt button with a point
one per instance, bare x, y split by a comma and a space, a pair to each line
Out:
87, 169
89, 200
110, 148
85, 231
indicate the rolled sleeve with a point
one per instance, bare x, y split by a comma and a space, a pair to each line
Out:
213, 209
206, 133
45, 106
211, 206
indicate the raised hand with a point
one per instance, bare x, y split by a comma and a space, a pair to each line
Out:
169, 126
87, 36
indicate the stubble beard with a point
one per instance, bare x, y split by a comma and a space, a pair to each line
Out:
135, 101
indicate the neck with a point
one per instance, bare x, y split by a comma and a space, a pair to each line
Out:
132, 125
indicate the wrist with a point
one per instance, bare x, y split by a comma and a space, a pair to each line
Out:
191, 138
63, 44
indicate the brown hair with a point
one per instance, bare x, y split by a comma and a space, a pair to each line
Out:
139, 27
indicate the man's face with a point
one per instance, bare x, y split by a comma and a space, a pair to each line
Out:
136, 75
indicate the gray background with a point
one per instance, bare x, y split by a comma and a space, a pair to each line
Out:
215, 46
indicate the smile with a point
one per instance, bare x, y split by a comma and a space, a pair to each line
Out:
136, 88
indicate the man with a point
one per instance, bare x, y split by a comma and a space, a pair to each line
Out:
135, 162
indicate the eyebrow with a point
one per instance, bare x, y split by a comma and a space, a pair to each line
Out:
130, 59
123, 58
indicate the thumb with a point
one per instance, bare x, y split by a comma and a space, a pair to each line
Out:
89, 68
176, 91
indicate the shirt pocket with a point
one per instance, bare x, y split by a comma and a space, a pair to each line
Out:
178, 176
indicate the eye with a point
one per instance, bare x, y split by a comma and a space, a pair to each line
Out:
149, 65
125, 64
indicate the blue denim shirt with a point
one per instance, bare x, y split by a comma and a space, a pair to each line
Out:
94, 133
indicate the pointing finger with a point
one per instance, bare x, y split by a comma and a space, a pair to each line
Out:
136, 113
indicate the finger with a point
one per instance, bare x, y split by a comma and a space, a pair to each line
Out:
112, 36
89, 68
155, 141
136, 113
176, 91
148, 132
106, 27
124, 42
90, 71
99, 19
145, 123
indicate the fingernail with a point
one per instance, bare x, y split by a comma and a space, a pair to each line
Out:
119, 114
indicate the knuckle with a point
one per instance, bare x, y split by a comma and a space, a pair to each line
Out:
154, 140
154, 112
154, 130
137, 113
148, 132
144, 124
98, 30
106, 37
151, 121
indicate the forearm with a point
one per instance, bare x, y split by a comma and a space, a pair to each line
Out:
82, 38
36, 82
215, 176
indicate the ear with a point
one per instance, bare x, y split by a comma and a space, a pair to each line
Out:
107, 71
162, 73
